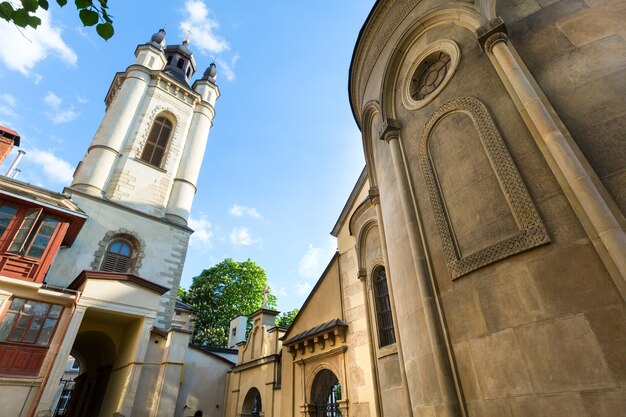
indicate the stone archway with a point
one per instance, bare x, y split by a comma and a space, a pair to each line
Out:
326, 395
252, 404
97, 352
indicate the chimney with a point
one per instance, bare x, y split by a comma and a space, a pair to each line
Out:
13, 169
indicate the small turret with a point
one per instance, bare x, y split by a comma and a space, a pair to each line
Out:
180, 62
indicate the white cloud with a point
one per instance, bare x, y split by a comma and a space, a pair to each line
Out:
8, 103
239, 211
58, 113
311, 266
202, 27
82, 100
302, 288
54, 168
241, 236
22, 49
52, 100
203, 235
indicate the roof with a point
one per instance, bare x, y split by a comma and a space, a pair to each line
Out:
313, 290
116, 276
211, 351
58, 203
350, 202
352, 63
11, 134
182, 306
322, 328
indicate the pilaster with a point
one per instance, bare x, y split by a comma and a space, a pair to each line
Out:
578, 181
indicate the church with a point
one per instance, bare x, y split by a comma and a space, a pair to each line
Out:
481, 256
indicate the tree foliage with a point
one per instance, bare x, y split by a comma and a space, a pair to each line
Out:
222, 292
284, 320
90, 13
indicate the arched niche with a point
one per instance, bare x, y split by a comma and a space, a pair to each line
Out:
481, 206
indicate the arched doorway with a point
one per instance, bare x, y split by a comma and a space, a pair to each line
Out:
325, 395
252, 405
96, 352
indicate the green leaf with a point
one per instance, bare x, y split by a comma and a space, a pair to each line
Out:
88, 17
34, 21
30, 5
82, 4
6, 10
21, 17
43, 4
105, 30
61, 2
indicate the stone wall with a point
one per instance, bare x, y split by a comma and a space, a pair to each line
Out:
576, 50
527, 323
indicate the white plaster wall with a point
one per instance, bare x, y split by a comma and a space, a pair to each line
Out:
164, 251
204, 385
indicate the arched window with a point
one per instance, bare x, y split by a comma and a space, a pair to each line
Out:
169, 59
180, 63
157, 141
384, 319
118, 257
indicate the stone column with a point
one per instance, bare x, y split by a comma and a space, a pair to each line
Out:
97, 165
46, 403
449, 397
184, 187
580, 188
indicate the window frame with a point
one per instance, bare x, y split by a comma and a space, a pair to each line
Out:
131, 258
155, 144
31, 318
26, 243
386, 335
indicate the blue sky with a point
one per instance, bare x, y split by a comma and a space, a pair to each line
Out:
284, 151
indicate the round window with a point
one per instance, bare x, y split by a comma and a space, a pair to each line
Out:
431, 70
429, 75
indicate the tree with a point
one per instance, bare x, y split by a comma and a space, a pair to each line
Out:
90, 13
221, 293
284, 320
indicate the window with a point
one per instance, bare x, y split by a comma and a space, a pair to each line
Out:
180, 63
118, 257
7, 212
157, 141
169, 59
384, 319
429, 75
30, 322
33, 234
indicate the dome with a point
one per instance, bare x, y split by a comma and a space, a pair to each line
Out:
159, 38
210, 72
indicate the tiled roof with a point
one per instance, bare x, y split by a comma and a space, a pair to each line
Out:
324, 327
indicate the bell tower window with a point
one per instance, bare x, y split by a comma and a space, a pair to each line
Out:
118, 257
157, 141
180, 63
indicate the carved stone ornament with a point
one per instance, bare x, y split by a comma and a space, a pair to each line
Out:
531, 231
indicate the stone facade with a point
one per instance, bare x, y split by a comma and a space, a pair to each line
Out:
505, 257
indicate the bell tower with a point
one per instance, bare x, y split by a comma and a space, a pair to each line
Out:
148, 150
